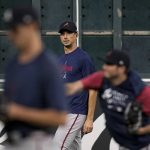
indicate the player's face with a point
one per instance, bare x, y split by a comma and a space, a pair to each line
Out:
68, 38
20, 36
113, 71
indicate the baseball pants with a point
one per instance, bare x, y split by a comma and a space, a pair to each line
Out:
68, 136
145, 148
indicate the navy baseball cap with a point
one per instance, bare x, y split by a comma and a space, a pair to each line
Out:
20, 16
67, 25
117, 57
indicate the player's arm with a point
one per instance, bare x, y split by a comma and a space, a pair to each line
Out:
144, 130
144, 99
45, 117
74, 87
93, 81
88, 125
87, 69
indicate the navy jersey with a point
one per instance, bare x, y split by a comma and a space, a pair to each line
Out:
114, 100
77, 65
34, 85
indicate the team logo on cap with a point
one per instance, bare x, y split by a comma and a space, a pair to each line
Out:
121, 62
66, 24
27, 19
8, 15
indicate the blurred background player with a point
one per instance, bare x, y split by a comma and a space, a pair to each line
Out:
31, 87
76, 64
125, 100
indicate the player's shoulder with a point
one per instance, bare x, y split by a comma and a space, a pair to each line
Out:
61, 57
48, 57
96, 75
83, 52
136, 82
83, 55
11, 63
48, 60
135, 79
145, 91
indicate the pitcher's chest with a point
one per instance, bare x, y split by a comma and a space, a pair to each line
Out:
71, 69
115, 99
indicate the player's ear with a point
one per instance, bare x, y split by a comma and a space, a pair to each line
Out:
123, 69
35, 26
77, 34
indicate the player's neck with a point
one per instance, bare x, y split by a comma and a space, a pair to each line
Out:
31, 51
70, 49
119, 80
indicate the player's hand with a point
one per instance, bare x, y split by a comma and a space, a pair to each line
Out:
72, 88
12, 110
88, 126
144, 130
141, 131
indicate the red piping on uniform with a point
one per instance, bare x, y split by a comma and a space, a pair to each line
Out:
69, 131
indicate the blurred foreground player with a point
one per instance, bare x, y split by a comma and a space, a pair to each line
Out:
125, 100
76, 64
31, 88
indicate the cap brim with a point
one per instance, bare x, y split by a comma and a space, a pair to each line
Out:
105, 61
64, 29
101, 59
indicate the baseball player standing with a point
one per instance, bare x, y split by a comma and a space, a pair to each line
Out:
32, 81
125, 100
76, 64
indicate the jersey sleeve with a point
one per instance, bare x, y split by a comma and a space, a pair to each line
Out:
144, 99
94, 81
53, 86
87, 67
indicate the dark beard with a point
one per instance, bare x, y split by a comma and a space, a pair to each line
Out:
68, 46
113, 78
